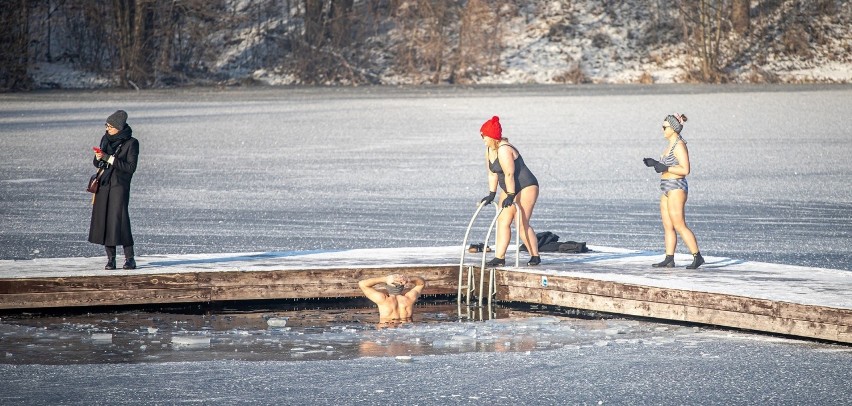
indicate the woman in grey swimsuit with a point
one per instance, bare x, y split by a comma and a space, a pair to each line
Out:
506, 168
673, 167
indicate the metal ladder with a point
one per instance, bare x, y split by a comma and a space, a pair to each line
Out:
467, 289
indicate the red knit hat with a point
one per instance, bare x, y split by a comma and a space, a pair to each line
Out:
492, 129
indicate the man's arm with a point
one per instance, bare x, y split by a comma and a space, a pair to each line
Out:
419, 284
366, 286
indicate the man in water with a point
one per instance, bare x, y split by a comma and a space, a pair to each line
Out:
394, 306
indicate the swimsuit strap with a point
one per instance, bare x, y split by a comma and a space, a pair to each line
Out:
671, 151
510, 146
500, 146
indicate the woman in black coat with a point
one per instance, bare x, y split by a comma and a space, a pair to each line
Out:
117, 158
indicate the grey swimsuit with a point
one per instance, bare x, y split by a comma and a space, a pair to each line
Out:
667, 185
523, 176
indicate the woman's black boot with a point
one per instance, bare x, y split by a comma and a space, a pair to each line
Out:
496, 262
697, 260
667, 263
534, 260
129, 262
110, 252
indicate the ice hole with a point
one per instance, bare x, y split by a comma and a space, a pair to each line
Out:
308, 330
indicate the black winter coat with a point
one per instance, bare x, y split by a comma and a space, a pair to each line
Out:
110, 223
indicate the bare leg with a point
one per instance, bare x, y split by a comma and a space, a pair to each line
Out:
669, 234
526, 199
668, 228
504, 228
677, 218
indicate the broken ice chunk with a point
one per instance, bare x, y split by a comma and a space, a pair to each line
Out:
190, 342
277, 322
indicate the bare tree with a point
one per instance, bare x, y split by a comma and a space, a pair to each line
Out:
314, 29
447, 41
740, 16
14, 59
324, 53
133, 20
51, 10
705, 23
420, 24
479, 43
340, 23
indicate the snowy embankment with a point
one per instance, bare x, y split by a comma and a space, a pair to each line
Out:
547, 42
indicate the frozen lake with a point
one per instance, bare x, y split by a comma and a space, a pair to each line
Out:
291, 169
242, 170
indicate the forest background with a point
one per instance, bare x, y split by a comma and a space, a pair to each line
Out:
175, 43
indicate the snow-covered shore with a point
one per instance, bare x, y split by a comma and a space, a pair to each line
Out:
558, 41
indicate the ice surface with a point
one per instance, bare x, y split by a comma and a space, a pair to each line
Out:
305, 169
697, 369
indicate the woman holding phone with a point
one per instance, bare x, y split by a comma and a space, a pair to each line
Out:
116, 157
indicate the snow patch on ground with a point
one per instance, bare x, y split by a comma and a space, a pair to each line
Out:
65, 76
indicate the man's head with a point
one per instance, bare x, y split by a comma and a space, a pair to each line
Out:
396, 283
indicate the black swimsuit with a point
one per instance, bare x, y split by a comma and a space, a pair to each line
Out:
523, 176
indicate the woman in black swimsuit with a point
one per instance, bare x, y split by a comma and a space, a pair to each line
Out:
517, 184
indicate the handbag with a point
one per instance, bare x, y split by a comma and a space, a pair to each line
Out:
95, 182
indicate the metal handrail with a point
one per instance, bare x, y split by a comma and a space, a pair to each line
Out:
492, 281
464, 252
517, 252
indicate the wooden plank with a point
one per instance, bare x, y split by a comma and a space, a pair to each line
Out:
205, 286
98, 283
437, 276
253, 292
679, 312
103, 298
715, 301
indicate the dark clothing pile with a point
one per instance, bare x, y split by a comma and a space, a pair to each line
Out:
549, 242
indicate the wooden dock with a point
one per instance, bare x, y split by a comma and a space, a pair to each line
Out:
782, 299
